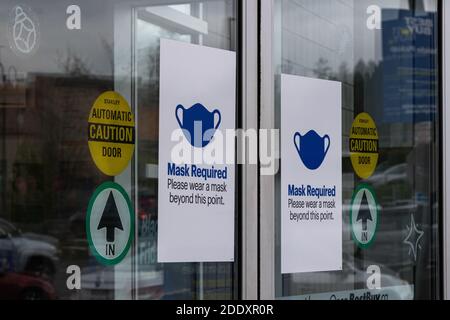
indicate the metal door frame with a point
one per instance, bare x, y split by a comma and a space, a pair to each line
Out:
249, 183
267, 204
268, 266
445, 42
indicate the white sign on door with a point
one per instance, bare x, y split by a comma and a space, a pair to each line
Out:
311, 177
195, 196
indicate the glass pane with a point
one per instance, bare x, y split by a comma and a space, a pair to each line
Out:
51, 75
55, 61
390, 71
178, 280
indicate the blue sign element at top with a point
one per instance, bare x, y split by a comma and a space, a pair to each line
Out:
198, 124
312, 148
410, 76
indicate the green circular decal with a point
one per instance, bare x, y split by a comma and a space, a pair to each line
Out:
364, 216
110, 223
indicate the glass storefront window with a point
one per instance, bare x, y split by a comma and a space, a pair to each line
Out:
392, 73
55, 60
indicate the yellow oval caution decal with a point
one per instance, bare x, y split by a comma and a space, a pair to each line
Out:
363, 145
111, 133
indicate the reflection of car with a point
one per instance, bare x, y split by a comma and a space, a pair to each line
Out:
392, 174
31, 253
15, 286
99, 283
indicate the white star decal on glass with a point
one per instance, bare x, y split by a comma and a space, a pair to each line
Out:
413, 238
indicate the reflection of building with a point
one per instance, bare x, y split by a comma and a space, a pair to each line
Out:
47, 155
12, 104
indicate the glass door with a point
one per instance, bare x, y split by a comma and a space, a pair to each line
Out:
58, 63
385, 57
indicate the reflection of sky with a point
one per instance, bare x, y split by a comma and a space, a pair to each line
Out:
147, 41
97, 29
55, 39
91, 43
335, 31
184, 8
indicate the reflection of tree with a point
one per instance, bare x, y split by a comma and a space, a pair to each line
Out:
367, 85
72, 64
149, 77
322, 69
365, 80
109, 51
368, 88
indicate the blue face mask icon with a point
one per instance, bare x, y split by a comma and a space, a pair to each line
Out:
312, 148
198, 124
